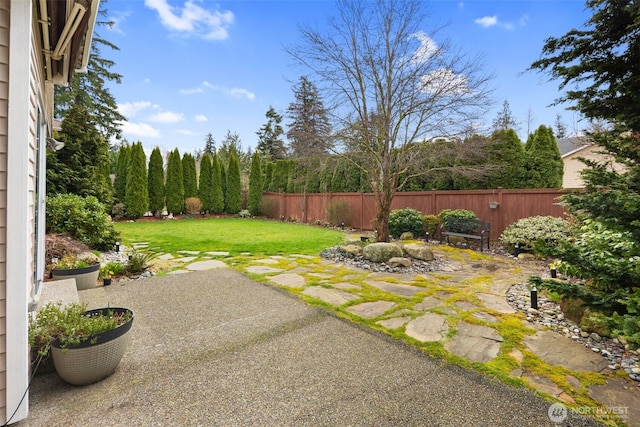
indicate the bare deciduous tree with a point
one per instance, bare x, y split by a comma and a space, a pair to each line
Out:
393, 86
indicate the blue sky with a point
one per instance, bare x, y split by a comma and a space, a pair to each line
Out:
193, 67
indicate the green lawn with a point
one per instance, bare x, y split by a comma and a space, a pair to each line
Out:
234, 235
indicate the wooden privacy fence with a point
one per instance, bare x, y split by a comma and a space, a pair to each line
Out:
500, 207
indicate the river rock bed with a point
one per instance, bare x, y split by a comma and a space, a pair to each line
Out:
338, 255
550, 316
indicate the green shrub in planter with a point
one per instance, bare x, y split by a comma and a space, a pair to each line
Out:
406, 220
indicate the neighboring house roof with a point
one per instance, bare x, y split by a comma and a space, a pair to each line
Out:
570, 146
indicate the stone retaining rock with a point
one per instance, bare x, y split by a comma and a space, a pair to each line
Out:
381, 252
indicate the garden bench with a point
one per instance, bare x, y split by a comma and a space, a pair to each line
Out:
469, 228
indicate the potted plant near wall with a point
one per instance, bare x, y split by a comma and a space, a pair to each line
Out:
86, 346
84, 269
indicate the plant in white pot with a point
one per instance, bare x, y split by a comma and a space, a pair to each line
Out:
84, 269
86, 346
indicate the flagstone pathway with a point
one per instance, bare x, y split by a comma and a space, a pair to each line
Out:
462, 308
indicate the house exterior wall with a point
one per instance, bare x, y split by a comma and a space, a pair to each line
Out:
4, 112
573, 166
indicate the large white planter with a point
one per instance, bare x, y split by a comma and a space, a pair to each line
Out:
89, 362
86, 277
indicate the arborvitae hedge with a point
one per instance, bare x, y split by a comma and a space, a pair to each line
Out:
233, 200
189, 176
156, 182
175, 184
137, 197
216, 181
543, 160
122, 169
205, 183
255, 185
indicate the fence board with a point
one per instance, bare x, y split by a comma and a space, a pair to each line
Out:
511, 205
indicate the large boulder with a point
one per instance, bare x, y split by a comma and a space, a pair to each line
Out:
407, 235
381, 252
351, 249
418, 251
399, 262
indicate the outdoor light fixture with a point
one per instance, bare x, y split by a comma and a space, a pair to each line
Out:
54, 145
426, 236
117, 247
534, 298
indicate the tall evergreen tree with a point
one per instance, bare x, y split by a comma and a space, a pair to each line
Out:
309, 131
268, 177
175, 184
233, 199
89, 89
270, 143
205, 183
505, 119
156, 182
217, 186
137, 194
209, 145
122, 170
506, 156
223, 180
543, 160
82, 166
256, 185
189, 176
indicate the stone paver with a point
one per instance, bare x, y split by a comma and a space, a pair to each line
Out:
261, 269
556, 349
267, 261
465, 305
331, 296
184, 260
394, 322
475, 343
290, 280
189, 252
428, 327
393, 288
428, 303
496, 302
485, 317
178, 272
218, 253
371, 309
345, 285
165, 257
206, 265
622, 395
321, 275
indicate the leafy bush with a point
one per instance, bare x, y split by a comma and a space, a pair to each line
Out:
431, 223
83, 218
459, 220
406, 220
338, 212
269, 208
118, 211
192, 205
526, 232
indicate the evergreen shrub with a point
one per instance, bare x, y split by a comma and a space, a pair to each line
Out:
406, 220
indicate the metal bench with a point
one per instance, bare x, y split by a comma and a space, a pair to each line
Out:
468, 228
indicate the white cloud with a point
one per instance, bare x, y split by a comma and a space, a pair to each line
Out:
242, 93
427, 47
193, 19
191, 91
140, 130
487, 21
444, 82
167, 117
201, 118
118, 18
130, 109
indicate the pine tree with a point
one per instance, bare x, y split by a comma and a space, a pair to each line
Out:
209, 145
223, 180
309, 130
189, 176
82, 166
255, 185
175, 184
506, 155
543, 160
505, 119
205, 183
137, 194
268, 177
233, 201
216, 185
156, 182
122, 170
270, 143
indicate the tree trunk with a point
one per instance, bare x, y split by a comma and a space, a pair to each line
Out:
383, 208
